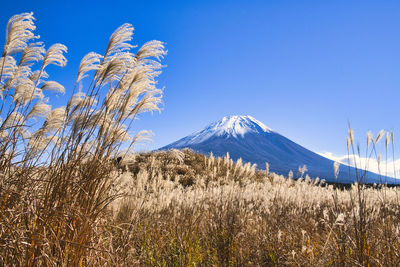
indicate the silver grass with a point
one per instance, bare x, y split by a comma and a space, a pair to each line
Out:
87, 102
387, 140
24, 132
75, 99
33, 53
392, 136
13, 120
3, 134
26, 92
1, 91
143, 136
18, 33
177, 154
113, 69
113, 99
152, 48
89, 62
36, 76
150, 102
40, 109
55, 119
55, 56
119, 40
53, 86
19, 76
369, 138
8, 65
379, 136
81, 121
336, 168
118, 133
351, 136
37, 140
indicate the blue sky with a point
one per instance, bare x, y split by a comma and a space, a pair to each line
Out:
304, 68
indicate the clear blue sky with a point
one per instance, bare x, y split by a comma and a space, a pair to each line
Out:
304, 68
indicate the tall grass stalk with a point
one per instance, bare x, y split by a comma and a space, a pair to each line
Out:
57, 170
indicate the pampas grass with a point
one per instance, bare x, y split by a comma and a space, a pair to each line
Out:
72, 194
57, 175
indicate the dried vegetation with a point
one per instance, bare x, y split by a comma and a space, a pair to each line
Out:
66, 201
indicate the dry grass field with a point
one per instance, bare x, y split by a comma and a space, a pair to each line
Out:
65, 199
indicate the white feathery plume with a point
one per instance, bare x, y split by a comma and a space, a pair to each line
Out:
37, 75
351, 136
140, 78
379, 136
369, 138
37, 140
87, 102
392, 136
83, 121
336, 168
75, 99
118, 133
177, 154
114, 68
77, 102
13, 120
3, 134
8, 64
142, 136
19, 76
25, 92
18, 33
302, 170
55, 55
387, 140
33, 53
152, 97
113, 99
119, 40
55, 120
89, 62
152, 48
53, 86
24, 132
40, 109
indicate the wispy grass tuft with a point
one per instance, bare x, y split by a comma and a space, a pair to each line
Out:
57, 169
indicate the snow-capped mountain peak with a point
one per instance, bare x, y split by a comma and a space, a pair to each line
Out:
238, 126
232, 126
246, 138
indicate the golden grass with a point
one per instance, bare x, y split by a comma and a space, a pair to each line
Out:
66, 201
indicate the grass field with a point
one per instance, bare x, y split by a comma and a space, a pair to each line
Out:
71, 194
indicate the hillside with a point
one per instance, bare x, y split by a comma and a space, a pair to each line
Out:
246, 138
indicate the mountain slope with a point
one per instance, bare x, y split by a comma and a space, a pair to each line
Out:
245, 137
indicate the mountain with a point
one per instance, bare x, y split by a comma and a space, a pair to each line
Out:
247, 138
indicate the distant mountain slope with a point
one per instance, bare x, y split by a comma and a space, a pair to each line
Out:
247, 138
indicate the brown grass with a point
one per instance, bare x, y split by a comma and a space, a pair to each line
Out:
66, 201
260, 219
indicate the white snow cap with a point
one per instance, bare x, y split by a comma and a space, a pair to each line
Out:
234, 126
239, 126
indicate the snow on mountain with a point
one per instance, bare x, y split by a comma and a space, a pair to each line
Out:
247, 138
234, 126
